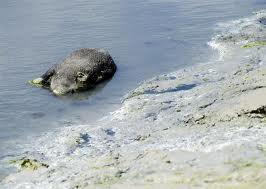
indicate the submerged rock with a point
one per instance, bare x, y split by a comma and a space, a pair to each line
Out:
81, 70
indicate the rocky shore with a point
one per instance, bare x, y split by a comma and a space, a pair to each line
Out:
200, 127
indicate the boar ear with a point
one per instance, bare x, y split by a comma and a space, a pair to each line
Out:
48, 75
82, 76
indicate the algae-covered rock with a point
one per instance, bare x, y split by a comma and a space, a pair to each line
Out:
28, 164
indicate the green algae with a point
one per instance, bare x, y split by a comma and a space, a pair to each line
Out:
205, 79
244, 174
262, 148
28, 164
248, 165
107, 180
142, 137
36, 82
254, 44
263, 120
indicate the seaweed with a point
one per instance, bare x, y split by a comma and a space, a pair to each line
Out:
38, 82
254, 44
30, 164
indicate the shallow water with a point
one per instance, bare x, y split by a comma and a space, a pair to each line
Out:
146, 38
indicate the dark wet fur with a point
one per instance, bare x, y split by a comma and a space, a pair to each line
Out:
97, 64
